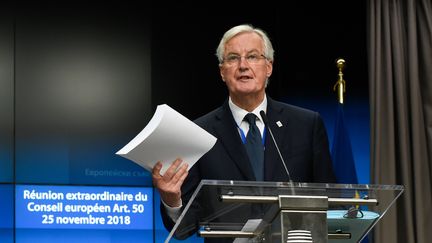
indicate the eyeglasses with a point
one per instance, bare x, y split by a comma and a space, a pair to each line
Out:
234, 59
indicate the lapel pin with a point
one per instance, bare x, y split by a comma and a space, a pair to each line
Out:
279, 123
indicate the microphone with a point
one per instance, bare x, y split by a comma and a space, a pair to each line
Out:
265, 120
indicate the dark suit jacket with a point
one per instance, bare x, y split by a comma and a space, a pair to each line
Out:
302, 140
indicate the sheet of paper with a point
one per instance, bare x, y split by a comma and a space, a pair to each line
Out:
167, 136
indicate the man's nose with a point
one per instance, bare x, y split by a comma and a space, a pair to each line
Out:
243, 62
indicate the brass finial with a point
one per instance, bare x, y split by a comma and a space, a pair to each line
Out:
340, 84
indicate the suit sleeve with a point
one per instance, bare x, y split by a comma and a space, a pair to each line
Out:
322, 163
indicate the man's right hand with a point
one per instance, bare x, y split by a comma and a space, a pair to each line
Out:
169, 184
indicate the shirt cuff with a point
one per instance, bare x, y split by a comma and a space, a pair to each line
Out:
173, 212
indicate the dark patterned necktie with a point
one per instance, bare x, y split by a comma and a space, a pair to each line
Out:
254, 147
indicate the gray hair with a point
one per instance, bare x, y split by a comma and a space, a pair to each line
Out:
268, 48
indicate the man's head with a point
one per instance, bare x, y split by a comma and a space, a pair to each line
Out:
245, 58
268, 47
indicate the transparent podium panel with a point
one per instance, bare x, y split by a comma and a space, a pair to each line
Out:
248, 211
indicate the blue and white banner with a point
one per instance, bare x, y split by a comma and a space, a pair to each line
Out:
84, 207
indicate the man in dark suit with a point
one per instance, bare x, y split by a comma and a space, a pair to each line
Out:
245, 58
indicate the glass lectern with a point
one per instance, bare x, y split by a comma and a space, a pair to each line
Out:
249, 211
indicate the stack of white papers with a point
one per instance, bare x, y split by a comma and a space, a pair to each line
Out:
167, 136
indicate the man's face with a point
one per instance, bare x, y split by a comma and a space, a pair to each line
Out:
245, 69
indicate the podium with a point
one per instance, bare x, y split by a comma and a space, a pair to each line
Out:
250, 211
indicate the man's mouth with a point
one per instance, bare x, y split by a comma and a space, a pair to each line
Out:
244, 77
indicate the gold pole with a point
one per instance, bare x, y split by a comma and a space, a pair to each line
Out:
340, 84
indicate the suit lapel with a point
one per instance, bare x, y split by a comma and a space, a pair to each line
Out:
273, 165
227, 133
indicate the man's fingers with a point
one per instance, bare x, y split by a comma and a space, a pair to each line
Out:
183, 177
182, 172
172, 179
171, 171
156, 169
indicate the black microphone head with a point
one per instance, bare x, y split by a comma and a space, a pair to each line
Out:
264, 117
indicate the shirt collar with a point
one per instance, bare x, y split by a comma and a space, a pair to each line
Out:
239, 113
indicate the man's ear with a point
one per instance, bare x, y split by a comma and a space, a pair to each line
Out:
269, 69
221, 74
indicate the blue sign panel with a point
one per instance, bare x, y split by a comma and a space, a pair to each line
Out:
84, 207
